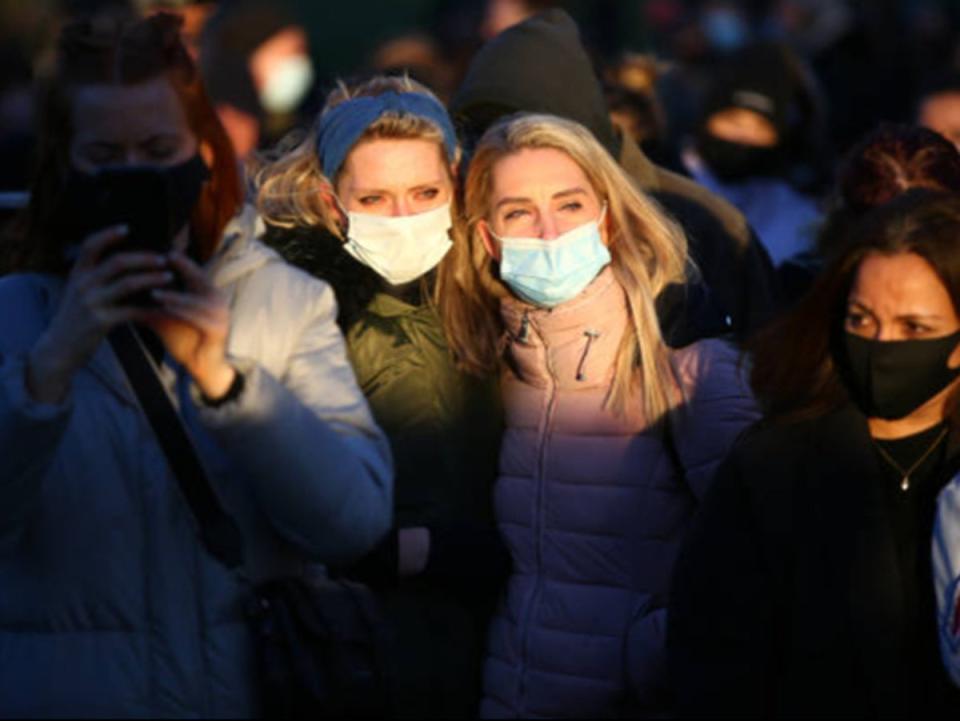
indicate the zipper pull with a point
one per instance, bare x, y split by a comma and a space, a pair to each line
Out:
524, 326
592, 335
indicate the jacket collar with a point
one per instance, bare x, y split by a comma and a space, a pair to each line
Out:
573, 344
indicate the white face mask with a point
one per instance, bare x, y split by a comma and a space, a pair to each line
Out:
400, 248
287, 84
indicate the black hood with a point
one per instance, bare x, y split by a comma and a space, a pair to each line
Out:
537, 66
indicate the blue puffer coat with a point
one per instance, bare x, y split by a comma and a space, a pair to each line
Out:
593, 507
109, 605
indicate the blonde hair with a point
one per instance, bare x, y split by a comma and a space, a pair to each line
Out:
648, 251
290, 183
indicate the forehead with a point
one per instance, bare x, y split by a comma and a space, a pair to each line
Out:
126, 113
899, 284
535, 171
388, 163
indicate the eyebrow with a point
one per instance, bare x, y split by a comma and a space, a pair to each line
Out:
904, 316
556, 196
385, 191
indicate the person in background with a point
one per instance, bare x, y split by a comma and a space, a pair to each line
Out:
540, 66
631, 92
611, 437
938, 107
887, 162
256, 62
743, 145
194, 13
804, 586
110, 602
367, 201
500, 15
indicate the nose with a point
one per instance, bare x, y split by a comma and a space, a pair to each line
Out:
549, 228
886, 332
401, 207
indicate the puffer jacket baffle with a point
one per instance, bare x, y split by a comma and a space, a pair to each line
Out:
593, 508
109, 604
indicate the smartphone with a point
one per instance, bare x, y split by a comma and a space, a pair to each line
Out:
139, 198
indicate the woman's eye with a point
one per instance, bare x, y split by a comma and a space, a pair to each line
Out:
103, 156
572, 206
856, 320
514, 214
914, 328
161, 152
369, 200
429, 193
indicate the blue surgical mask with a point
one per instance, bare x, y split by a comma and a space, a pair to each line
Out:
550, 272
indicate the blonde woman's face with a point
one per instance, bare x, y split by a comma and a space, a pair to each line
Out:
540, 193
395, 177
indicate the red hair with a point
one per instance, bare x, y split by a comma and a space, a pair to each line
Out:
123, 51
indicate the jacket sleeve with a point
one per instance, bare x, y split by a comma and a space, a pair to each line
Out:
946, 576
30, 433
720, 623
320, 467
718, 407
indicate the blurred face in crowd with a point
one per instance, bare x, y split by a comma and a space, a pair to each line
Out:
131, 125
142, 124
393, 177
746, 127
941, 113
539, 193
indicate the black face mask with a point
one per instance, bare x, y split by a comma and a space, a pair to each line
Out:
154, 202
890, 379
736, 161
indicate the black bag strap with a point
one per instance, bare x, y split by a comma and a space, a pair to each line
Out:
218, 531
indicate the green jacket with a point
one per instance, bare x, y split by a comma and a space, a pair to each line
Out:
444, 429
443, 426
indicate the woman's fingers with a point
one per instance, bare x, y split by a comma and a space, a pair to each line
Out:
193, 276
95, 245
123, 264
129, 284
201, 311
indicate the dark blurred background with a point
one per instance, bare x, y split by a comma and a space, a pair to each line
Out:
269, 64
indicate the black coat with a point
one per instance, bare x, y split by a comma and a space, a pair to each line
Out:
787, 597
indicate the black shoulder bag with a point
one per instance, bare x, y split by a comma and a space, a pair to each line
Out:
319, 641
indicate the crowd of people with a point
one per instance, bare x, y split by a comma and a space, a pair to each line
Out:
595, 424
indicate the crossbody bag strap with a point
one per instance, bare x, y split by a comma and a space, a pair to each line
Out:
218, 531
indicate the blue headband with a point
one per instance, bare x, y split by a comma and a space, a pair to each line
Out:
341, 126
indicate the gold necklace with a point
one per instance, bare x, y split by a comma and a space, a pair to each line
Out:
905, 481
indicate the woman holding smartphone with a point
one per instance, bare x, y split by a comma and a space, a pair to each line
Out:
111, 604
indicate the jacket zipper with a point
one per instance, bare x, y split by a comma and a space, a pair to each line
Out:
524, 326
592, 335
538, 517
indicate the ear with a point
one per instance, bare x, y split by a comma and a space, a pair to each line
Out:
954, 360
330, 200
606, 229
489, 242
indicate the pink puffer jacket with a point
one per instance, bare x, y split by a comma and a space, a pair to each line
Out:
593, 508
